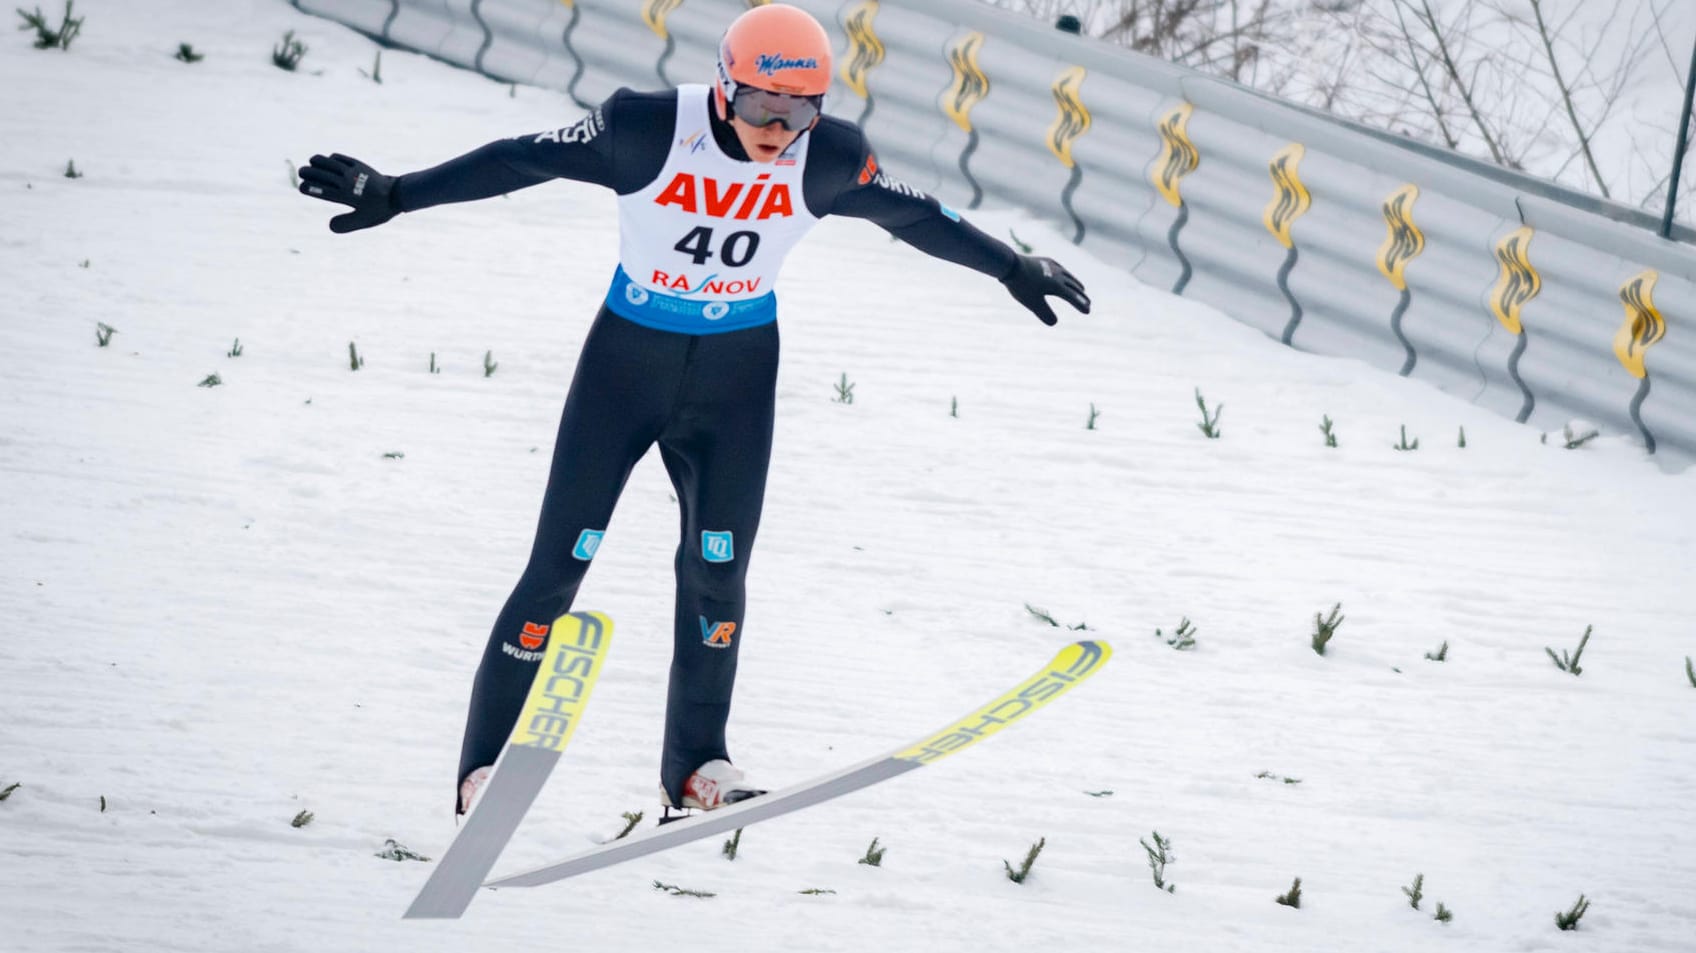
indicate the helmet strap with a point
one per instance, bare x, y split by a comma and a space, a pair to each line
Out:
724, 90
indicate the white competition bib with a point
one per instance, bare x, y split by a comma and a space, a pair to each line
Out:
701, 245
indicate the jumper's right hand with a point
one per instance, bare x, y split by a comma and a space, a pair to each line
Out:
339, 178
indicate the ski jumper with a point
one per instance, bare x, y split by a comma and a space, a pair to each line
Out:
683, 354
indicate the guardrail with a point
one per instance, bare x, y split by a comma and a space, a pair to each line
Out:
1538, 302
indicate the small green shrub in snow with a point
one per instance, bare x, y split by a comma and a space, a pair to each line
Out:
1182, 638
1047, 617
376, 74
235, 349
631, 819
1572, 439
185, 52
1416, 892
1325, 428
71, 170
1325, 628
1209, 425
677, 891
1569, 919
302, 819
6, 791
434, 367
732, 845
394, 851
1569, 663
1018, 876
1405, 445
1093, 416
489, 364
1690, 671
815, 891
1041, 614
103, 333
353, 359
210, 380
1293, 898
874, 855
1159, 856
1441, 655
46, 37
844, 390
286, 55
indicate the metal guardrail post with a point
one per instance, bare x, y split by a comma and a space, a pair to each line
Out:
1683, 142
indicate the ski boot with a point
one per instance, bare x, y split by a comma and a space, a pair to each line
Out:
712, 786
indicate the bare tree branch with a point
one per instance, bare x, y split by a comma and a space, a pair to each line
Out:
1566, 98
1424, 83
1661, 34
1447, 59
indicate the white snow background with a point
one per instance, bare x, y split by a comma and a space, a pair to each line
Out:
220, 607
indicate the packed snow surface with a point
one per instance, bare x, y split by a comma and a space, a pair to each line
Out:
221, 607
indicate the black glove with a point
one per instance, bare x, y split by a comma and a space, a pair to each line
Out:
338, 178
1034, 279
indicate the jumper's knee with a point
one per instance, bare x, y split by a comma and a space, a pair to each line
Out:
713, 582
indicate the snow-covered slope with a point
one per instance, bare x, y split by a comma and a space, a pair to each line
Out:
223, 606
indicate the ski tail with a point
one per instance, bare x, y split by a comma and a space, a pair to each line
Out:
571, 664
1071, 666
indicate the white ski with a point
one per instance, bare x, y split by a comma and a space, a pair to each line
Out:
1074, 663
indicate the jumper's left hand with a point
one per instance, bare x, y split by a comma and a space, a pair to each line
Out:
1034, 279
343, 179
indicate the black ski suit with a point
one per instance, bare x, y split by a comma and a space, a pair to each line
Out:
705, 399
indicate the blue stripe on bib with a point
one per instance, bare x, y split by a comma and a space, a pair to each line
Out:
665, 312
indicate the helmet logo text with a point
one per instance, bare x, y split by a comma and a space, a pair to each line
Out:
769, 64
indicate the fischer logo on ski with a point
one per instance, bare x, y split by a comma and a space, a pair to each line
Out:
1078, 662
560, 690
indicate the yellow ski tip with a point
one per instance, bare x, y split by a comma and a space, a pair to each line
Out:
1073, 664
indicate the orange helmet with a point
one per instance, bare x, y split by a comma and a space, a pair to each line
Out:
777, 48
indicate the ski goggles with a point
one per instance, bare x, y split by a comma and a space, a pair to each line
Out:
762, 107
